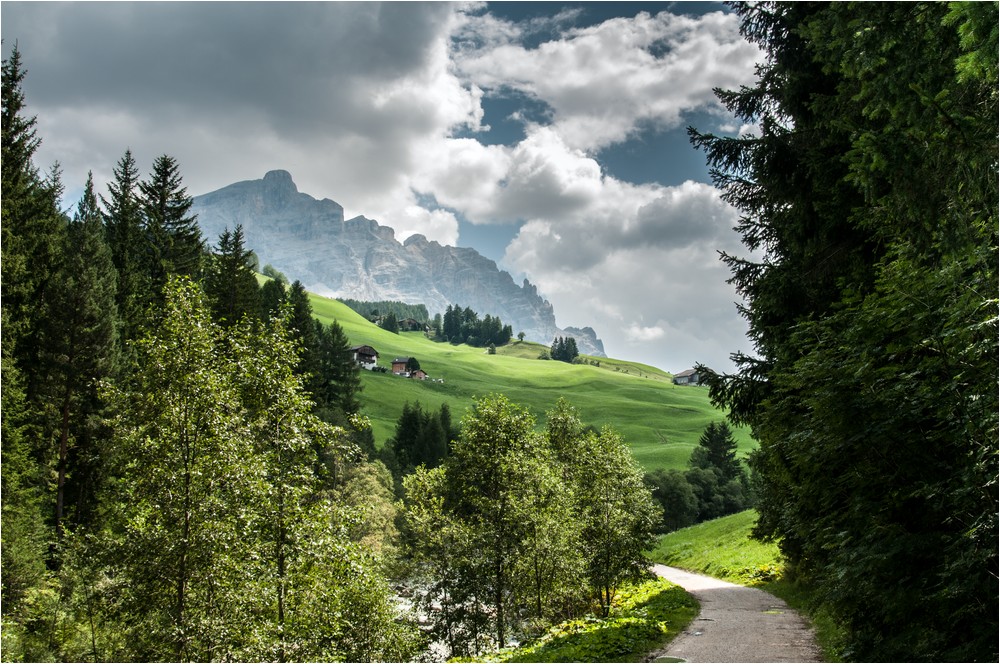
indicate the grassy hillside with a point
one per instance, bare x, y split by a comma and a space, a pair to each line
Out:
721, 548
661, 421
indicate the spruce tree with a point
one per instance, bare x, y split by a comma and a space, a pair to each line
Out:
869, 201
124, 231
79, 352
174, 242
32, 231
32, 228
303, 330
338, 380
272, 298
230, 283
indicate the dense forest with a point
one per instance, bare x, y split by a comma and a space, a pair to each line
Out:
869, 212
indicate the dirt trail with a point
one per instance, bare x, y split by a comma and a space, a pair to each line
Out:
736, 624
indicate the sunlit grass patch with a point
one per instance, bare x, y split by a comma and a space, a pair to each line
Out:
722, 548
643, 618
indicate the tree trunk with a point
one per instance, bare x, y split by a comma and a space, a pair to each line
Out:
499, 605
63, 460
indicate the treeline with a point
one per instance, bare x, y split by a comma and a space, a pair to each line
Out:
715, 484
182, 474
868, 202
377, 310
463, 326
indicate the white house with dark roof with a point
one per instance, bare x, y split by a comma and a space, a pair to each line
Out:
365, 356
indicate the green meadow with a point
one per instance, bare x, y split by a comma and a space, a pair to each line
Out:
661, 421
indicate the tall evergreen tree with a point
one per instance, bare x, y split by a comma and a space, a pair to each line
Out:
338, 379
33, 227
80, 351
124, 230
31, 230
230, 282
272, 298
872, 193
303, 329
174, 242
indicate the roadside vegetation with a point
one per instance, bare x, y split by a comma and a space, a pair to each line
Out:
868, 206
643, 617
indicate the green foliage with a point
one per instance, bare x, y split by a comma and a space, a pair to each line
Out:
464, 326
173, 239
518, 529
672, 490
873, 190
564, 350
422, 439
273, 273
715, 484
33, 235
272, 297
644, 617
230, 282
77, 354
336, 385
389, 323
218, 510
123, 228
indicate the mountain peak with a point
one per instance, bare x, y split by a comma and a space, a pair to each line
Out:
309, 240
279, 189
280, 178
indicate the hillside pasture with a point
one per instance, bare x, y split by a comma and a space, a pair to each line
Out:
661, 421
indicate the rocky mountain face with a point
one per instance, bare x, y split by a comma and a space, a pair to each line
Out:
309, 240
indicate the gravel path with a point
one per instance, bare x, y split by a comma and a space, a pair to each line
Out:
736, 624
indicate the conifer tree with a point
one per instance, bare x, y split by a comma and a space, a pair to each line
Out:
174, 242
303, 329
338, 379
80, 351
124, 231
272, 298
230, 282
32, 228
869, 202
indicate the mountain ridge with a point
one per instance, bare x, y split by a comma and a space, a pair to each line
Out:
309, 239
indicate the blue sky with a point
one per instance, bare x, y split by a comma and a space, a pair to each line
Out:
549, 136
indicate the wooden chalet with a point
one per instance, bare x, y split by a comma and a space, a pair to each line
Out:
365, 356
687, 377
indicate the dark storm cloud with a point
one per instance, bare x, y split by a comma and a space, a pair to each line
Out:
296, 63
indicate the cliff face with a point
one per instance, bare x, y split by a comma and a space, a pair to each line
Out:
309, 240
